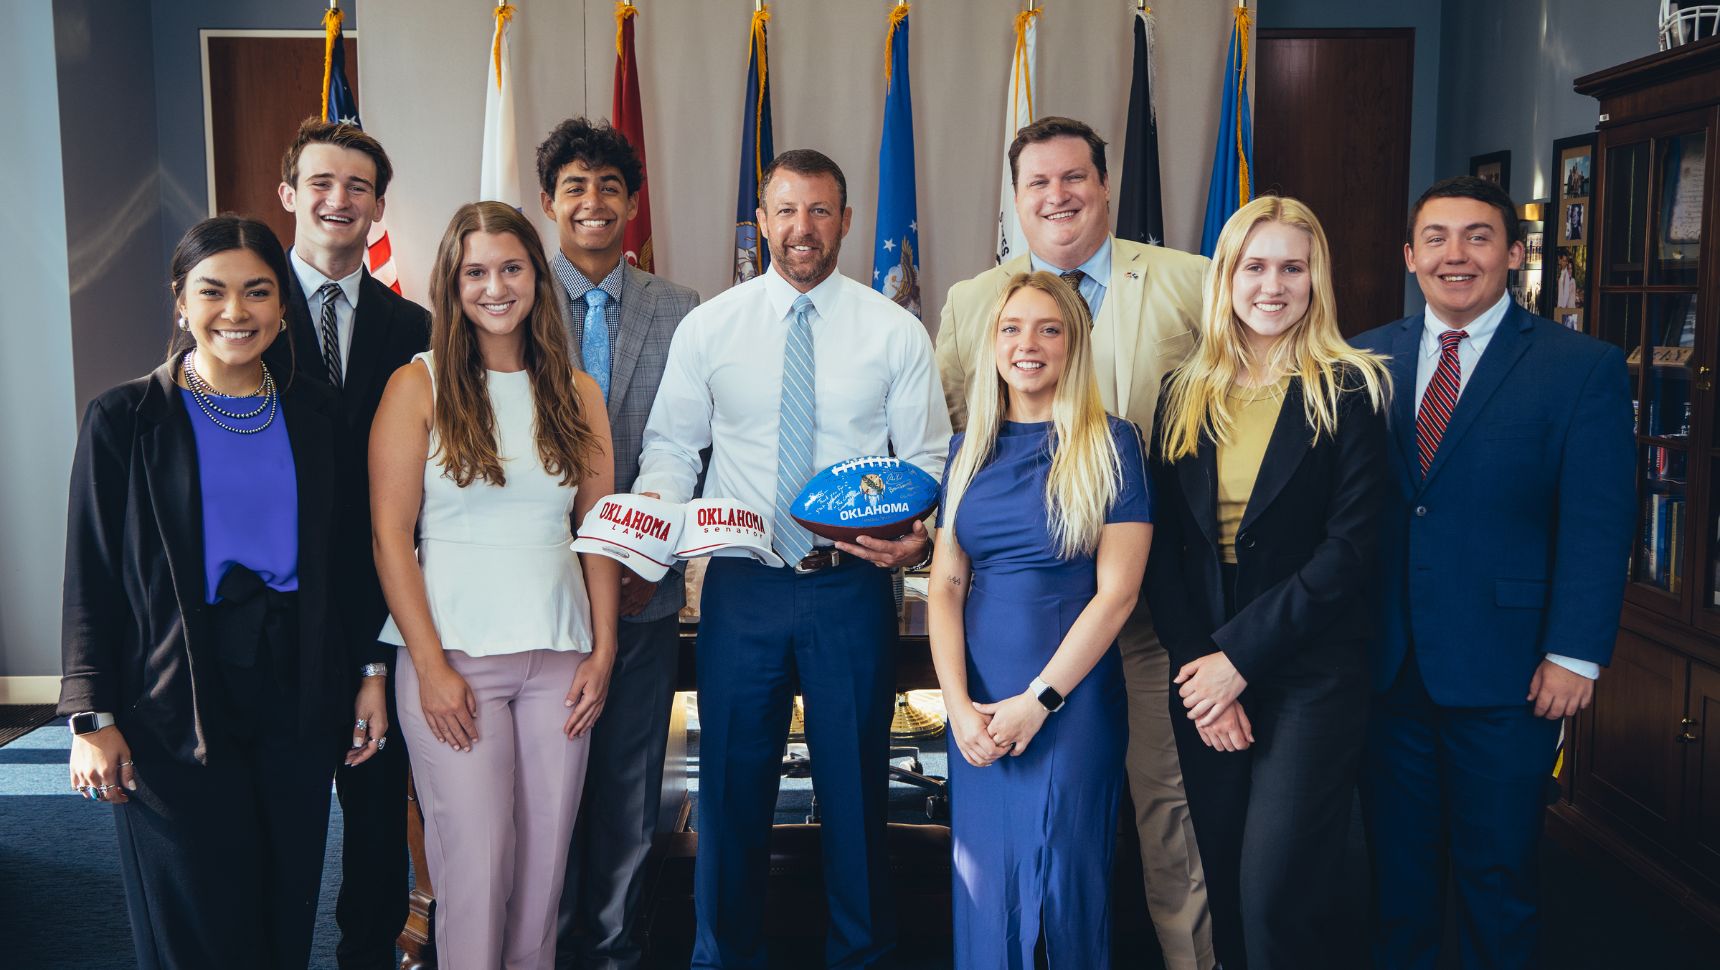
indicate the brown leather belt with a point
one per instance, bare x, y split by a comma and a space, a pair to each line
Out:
819, 559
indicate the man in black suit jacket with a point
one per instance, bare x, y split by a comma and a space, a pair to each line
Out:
350, 331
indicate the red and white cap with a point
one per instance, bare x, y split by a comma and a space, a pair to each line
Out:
640, 532
725, 527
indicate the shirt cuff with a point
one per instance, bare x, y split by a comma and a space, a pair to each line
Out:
1585, 668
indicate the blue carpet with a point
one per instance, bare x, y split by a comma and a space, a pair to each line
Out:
61, 905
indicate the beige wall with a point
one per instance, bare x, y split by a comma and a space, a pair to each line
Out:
422, 63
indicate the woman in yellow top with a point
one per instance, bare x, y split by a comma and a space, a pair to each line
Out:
1268, 465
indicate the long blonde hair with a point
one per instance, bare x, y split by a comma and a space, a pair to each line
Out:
1086, 472
464, 420
1312, 349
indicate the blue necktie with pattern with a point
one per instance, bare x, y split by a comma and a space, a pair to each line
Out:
594, 346
797, 424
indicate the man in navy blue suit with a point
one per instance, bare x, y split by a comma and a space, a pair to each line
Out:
1504, 548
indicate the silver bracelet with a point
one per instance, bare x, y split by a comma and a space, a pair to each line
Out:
374, 670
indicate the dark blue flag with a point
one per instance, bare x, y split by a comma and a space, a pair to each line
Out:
1231, 185
896, 244
338, 102
751, 255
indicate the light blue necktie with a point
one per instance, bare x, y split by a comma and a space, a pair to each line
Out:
594, 348
796, 426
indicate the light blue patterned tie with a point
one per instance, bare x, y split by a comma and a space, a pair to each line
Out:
796, 426
594, 347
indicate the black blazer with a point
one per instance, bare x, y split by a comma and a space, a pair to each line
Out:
1305, 551
387, 330
135, 638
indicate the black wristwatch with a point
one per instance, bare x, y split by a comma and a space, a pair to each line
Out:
1046, 695
89, 722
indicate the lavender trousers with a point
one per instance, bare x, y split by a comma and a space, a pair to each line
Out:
497, 818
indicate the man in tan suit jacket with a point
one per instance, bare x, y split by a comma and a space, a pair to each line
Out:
1145, 302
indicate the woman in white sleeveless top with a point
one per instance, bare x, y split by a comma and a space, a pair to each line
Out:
491, 444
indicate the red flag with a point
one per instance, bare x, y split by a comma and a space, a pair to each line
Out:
627, 118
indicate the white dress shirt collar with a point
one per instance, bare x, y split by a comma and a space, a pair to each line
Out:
311, 280
1480, 329
782, 294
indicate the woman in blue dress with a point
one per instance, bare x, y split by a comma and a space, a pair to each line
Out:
1045, 499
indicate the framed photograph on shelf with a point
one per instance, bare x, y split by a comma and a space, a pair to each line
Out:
1570, 226
1495, 167
1525, 283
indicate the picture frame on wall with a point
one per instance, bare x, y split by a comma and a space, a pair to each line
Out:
1570, 229
1495, 167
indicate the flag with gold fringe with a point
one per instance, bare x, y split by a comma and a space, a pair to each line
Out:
896, 242
1017, 114
499, 170
751, 256
630, 121
340, 106
1231, 186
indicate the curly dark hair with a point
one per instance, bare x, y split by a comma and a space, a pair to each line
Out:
597, 144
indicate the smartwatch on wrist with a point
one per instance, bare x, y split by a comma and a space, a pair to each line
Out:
1046, 694
89, 722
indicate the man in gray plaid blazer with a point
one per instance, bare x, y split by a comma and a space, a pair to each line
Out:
620, 321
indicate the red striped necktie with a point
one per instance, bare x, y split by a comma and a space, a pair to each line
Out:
1440, 398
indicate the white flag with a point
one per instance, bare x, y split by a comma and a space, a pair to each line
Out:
1017, 114
499, 173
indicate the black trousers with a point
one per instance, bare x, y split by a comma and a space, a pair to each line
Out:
375, 866
1271, 821
222, 862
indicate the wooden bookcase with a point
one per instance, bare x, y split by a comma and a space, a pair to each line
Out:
1645, 773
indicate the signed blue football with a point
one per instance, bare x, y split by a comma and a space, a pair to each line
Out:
877, 497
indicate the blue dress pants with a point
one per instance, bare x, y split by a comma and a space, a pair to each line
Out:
1459, 790
761, 631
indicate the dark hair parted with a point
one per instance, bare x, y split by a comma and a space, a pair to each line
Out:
1468, 187
315, 131
1057, 126
216, 235
464, 420
804, 161
597, 144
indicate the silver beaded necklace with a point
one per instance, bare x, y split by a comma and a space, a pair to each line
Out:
203, 394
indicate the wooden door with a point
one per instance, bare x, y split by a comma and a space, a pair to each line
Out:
260, 87
1631, 759
1331, 127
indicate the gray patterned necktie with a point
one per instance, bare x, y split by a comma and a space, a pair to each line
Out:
797, 424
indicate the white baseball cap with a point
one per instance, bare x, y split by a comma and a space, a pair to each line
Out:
640, 532
725, 527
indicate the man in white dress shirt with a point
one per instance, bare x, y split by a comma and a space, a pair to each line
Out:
780, 376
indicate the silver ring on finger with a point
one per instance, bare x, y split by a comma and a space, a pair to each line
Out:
361, 724
382, 742
125, 764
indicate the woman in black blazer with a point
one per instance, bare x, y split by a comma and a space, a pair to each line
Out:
210, 697
1267, 467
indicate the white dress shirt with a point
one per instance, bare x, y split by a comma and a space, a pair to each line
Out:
877, 389
1469, 352
310, 281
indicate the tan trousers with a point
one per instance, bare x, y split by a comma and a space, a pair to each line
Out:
1176, 886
